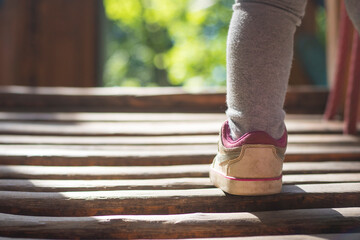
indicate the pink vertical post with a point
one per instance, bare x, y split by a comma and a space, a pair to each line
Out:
335, 95
352, 95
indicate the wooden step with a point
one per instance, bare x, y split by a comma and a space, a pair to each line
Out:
143, 128
72, 117
306, 139
334, 236
37, 185
151, 172
134, 155
176, 201
193, 225
145, 175
66, 157
122, 99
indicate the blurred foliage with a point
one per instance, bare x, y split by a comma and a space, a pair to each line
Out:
166, 42
321, 25
180, 42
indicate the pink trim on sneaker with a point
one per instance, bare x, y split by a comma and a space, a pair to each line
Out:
255, 137
248, 179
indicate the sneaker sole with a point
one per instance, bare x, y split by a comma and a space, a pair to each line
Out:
246, 186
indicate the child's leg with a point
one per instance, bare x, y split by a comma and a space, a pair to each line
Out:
353, 9
259, 56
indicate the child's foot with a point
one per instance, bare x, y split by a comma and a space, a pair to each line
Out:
251, 165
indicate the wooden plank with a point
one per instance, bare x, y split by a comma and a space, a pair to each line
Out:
95, 172
318, 167
129, 116
29, 185
15, 98
321, 178
133, 150
152, 172
334, 236
113, 129
110, 117
149, 128
116, 140
81, 158
36, 185
328, 139
91, 203
165, 99
302, 221
318, 139
125, 155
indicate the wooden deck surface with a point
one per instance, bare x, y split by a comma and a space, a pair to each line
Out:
145, 175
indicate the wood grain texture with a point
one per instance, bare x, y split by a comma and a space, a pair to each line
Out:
114, 140
14, 98
145, 128
153, 172
306, 139
37, 185
176, 201
334, 236
127, 155
111, 117
49, 43
16, 21
302, 221
145, 175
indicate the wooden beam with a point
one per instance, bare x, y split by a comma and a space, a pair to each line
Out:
334, 236
15, 98
36, 185
111, 117
137, 155
302, 221
144, 128
153, 172
176, 201
317, 139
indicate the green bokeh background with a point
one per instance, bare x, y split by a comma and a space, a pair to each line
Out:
170, 42
166, 42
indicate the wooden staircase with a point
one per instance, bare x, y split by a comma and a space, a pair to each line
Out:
113, 164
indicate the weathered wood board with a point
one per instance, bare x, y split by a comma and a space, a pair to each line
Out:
145, 175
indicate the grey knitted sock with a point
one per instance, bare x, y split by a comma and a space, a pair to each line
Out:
353, 10
259, 56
